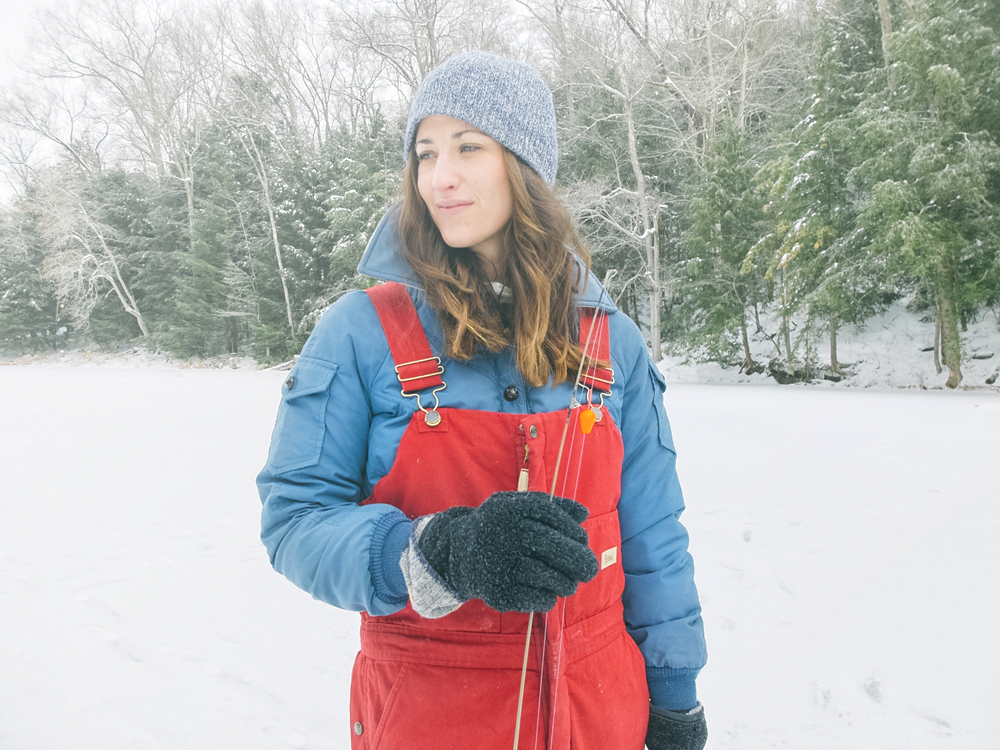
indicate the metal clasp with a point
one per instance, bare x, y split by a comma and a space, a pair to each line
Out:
599, 407
440, 369
608, 383
432, 418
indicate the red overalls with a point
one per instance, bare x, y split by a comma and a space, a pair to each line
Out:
453, 682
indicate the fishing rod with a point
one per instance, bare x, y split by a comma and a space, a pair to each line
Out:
573, 403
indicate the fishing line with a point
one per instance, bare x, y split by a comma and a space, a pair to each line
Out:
545, 630
555, 477
597, 321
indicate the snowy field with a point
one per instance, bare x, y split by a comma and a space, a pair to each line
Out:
846, 543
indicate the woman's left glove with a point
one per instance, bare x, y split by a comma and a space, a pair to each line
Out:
677, 730
517, 552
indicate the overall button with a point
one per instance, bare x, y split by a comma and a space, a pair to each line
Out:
510, 393
533, 431
290, 383
358, 729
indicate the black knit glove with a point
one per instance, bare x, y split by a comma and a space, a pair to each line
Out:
676, 730
517, 551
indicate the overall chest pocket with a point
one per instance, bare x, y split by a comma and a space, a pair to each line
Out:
297, 441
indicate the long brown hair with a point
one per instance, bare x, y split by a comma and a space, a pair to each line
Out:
538, 267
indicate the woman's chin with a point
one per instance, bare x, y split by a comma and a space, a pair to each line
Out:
458, 241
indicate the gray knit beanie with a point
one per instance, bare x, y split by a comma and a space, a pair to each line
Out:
505, 99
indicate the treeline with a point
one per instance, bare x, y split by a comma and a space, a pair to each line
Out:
203, 180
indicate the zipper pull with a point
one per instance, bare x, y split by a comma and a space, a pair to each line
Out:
522, 480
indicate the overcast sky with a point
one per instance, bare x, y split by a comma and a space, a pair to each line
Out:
15, 18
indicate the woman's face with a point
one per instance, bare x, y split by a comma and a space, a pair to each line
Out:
462, 178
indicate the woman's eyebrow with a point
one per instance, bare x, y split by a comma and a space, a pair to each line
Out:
455, 136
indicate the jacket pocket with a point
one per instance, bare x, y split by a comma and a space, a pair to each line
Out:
297, 440
662, 423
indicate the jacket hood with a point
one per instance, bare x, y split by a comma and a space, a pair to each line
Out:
382, 260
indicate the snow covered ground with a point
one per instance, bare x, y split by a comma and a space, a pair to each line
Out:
845, 541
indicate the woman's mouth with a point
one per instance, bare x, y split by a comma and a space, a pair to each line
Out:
452, 207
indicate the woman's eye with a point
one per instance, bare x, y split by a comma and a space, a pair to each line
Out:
470, 147
425, 155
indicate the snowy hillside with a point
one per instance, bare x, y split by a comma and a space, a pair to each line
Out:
888, 351
845, 543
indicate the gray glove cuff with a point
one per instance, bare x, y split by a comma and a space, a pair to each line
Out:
430, 596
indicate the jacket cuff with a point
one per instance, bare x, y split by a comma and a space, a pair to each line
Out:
672, 689
389, 539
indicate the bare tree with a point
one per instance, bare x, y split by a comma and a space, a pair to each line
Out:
411, 37
716, 60
291, 50
661, 78
252, 117
599, 61
253, 152
358, 85
121, 47
84, 260
644, 230
158, 65
18, 153
51, 117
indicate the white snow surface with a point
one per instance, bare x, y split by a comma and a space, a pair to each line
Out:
845, 543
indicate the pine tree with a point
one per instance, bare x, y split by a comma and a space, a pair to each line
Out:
813, 250
364, 178
198, 326
930, 176
28, 307
719, 290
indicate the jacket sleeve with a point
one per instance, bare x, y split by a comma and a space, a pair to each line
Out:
662, 611
316, 532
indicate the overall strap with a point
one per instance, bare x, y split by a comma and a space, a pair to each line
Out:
416, 366
595, 376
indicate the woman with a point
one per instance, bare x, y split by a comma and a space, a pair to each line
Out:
422, 430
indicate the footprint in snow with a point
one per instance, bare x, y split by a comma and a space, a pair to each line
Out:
873, 688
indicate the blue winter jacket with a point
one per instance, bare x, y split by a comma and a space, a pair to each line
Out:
341, 419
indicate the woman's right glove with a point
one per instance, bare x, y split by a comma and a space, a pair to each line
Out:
676, 730
517, 552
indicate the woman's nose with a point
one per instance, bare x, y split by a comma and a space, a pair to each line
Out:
445, 173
